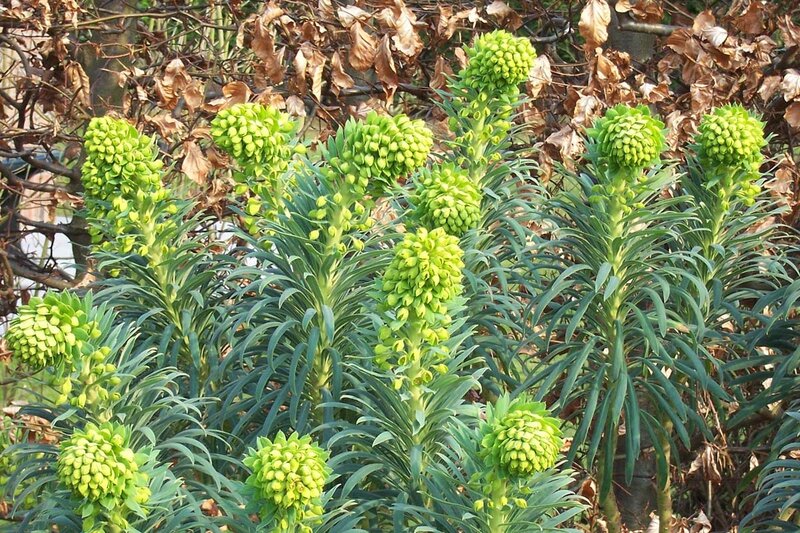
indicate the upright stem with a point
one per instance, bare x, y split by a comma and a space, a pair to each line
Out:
497, 510
663, 488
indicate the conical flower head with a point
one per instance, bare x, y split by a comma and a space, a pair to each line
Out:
731, 137
446, 198
498, 62
372, 154
520, 439
288, 475
258, 137
50, 330
628, 137
96, 464
119, 160
424, 275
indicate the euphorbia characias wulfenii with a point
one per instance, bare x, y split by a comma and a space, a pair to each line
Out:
498, 62
51, 330
446, 197
258, 137
520, 440
288, 478
628, 138
372, 154
731, 137
729, 145
424, 275
97, 465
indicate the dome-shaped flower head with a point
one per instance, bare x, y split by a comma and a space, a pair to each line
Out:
628, 137
96, 463
51, 330
424, 275
119, 160
372, 154
446, 198
498, 62
731, 137
288, 477
258, 137
520, 438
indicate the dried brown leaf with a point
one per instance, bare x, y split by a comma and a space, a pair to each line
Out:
440, 72
339, 78
385, 68
792, 115
402, 20
171, 85
195, 165
507, 16
348, 15
363, 48
790, 85
540, 76
593, 26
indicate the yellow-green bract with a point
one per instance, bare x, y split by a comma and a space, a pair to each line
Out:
257, 136
424, 275
371, 155
730, 136
97, 465
288, 477
521, 440
50, 330
498, 62
628, 137
445, 197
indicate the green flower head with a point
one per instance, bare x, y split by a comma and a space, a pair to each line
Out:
371, 155
288, 478
498, 62
628, 137
424, 275
520, 438
258, 137
730, 136
51, 330
97, 465
119, 160
446, 198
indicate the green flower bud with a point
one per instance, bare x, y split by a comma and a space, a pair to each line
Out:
424, 275
96, 463
259, 138
288, 477
498, 62
371, 155
520, 438
446, 198
628, 137
731, 137
51, 330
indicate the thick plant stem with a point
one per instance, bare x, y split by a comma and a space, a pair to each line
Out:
497, 503
663, 488
608, 501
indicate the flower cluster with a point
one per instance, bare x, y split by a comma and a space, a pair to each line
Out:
628, 138
445, 197
424, 275
729, 142
119, 160
731, 137
288, 478
91, 382
258, 137
98, 467
369, 156
498, 62
51, 331
521, 441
